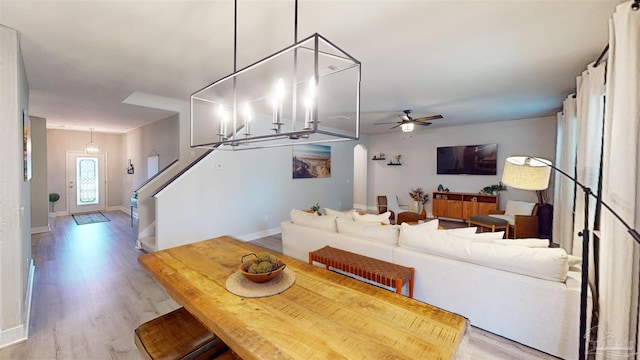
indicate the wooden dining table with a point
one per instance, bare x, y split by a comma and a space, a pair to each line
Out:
323, 315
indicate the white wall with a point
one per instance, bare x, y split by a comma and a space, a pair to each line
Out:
249, 197
534, 137
15, 214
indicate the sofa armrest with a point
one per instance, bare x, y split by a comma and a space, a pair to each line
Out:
526, 226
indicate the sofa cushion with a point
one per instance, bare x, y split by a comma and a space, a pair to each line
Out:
532, 243
484, 237
519, 208
303, 218
371, 218
387, 234
340, 214
463, 230
544, 263
548, 264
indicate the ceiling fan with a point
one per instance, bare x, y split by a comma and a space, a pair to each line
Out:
407, 123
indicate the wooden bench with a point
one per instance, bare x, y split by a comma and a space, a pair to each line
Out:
381, 272
178, 335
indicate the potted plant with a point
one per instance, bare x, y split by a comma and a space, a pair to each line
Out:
425, 200
494, 189
53, 197
314, 209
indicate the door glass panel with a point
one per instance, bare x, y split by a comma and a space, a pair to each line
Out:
87, 181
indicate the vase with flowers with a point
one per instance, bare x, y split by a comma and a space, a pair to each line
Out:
419, 199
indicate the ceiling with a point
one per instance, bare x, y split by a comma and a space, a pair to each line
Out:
471, 61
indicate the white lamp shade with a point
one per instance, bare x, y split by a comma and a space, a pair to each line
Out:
407, 127
526, 173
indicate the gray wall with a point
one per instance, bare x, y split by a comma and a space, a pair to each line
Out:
39, 194
15, 214
161, 137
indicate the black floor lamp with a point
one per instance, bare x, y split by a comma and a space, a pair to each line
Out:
531, 173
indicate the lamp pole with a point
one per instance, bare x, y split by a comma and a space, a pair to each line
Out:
585, 234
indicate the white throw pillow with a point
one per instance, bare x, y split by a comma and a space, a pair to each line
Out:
574, 260
387, 234
532, 243
372, 219
519, 207
416, 236
340, 214
463, 230
304, 218
487, 237
431, 225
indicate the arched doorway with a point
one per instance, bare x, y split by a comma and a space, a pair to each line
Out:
360, 177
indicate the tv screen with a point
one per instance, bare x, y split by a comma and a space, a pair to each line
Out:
467, 160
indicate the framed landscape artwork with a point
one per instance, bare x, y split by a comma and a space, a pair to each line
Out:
311, 161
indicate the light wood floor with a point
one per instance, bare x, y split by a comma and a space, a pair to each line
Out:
90, 294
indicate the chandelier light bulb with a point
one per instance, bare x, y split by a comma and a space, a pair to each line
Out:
280, 89
312, 87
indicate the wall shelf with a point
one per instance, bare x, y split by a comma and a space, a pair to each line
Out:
393, 164
378, 158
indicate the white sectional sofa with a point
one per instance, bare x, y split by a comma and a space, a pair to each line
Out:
527, 294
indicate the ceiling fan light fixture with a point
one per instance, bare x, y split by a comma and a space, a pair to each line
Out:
407, 127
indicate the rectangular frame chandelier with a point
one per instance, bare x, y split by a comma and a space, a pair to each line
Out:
306, 93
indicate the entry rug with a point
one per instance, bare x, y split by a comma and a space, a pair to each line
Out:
90, 218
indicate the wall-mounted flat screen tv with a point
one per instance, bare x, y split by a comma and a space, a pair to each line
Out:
467, 160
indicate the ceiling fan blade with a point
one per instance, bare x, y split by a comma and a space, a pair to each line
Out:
394, 127
386, 123
426, 118
423, 123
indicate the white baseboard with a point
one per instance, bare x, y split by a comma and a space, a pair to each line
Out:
21, 332
13, 336
119, 208
40, 229
260, 234
28, 299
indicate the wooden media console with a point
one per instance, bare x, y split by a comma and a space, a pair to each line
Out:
462, 205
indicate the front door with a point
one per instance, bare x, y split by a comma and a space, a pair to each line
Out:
86, 179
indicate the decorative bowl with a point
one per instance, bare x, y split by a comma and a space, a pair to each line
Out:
264, 277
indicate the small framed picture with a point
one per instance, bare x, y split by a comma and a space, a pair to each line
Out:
26, 144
